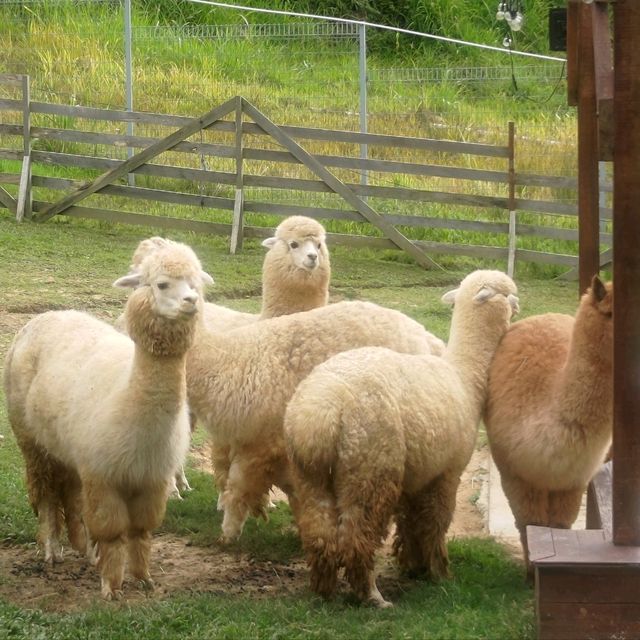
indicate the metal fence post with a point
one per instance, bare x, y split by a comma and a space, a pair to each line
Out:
362, 39
128, 78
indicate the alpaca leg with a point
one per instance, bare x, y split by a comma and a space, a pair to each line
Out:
250, 478
146, 512
43, 486
181, 481
427, 522
366, 501
529, 506
564, 507
220, 457
107, 521
72, 503
317, 520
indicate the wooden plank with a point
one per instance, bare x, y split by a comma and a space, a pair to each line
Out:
141, 219
599, 509
546, 258
336, 185
7, 200
603, 64
601, 621
563, 584
572, 53
626, 266
547, 206
403, 142
139, 159
23, 207
9, 178
12, 79
10, 104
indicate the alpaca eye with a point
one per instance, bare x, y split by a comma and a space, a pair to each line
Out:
163, 285
293, 244
319, 245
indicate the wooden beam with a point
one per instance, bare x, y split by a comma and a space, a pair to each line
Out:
603, 65
626, 270
7, 200
572, 54
340, 188
139, 159
588, 174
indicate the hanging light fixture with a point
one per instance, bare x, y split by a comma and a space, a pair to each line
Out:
511, 12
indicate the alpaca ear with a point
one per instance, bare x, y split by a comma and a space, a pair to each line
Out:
514, 301
269, 242
598, 290
206, 278
484, 294
130, 281
450, 297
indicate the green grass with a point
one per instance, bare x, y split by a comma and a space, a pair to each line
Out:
487, 600
71, 263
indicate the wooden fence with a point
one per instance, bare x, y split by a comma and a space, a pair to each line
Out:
262, 168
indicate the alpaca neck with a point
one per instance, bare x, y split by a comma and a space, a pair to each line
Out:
470, 350
280, 297
161, 378
584, 391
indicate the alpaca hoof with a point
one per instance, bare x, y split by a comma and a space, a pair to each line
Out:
112, 595
146, 584
175, 495
380, 603
53, 553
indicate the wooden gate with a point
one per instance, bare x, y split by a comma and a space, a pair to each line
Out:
241, 107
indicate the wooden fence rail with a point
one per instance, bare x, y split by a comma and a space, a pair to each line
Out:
222, 169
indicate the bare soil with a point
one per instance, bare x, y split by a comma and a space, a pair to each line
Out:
178, 567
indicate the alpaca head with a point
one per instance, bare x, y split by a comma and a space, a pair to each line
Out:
168, 284
485, 289
300, 241
595, 314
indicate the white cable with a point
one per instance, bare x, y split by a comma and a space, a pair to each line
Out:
377, 26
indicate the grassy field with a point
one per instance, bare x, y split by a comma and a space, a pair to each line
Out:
69, 263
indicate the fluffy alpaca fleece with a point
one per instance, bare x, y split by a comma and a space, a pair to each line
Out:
239, 383
372, 433
102, 419
549, 409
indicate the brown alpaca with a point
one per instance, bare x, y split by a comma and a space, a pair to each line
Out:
549, 409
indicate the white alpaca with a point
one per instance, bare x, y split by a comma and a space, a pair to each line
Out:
549, 413
372, 433
295, 277
239, 383
101, 418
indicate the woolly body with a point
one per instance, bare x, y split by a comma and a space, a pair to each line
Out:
101, 418
372, 432
549, 409
239, 384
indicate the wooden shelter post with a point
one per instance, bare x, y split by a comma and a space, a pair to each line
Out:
626, 275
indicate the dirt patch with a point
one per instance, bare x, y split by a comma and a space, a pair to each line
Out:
178, 567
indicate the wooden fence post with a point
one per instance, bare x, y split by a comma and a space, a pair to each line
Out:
237, 226
511, 260
23, 207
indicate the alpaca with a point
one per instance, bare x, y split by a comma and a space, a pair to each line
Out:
101, 418
549, 410
372, 433
295, 277
239, 383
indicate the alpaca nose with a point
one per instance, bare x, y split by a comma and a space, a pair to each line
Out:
191, 297
312, 256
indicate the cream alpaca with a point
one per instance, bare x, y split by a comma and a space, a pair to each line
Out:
239, 384
101, 418
549, 409
372, 433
